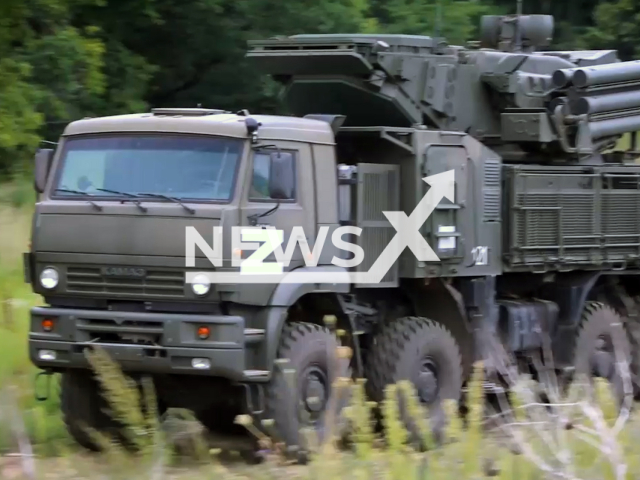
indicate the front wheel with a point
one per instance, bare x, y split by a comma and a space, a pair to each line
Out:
425, 353
84, 408
303, 399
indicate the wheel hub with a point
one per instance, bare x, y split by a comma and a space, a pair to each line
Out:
427, 382
314, 392
602, 360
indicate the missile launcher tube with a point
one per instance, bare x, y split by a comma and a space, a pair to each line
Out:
606, 74
614, 126
562, 78
605, 103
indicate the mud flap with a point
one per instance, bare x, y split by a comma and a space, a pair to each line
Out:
47, 389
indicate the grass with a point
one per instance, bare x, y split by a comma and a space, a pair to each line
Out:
625, 142
14, 293
575, 439
16, 372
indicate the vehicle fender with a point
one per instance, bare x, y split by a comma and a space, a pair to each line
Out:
331, 279
571, 292
442, 303
286, 294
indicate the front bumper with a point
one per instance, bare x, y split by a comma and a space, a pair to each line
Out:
170, 341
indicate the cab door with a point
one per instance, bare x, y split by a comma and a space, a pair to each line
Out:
297, 211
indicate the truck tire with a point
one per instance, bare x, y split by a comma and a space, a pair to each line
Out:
83, 407
312, 353
427, 354
594, 354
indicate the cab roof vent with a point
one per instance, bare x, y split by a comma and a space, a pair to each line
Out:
186, 112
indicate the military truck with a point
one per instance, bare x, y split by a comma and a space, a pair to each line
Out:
535, 225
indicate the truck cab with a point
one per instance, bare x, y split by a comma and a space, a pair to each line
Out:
121, 191
108, 241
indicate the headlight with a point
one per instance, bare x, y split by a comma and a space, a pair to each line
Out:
201, 285
49, 278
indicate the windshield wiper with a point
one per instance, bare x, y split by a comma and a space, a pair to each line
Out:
173, 199
78, 192
126, 194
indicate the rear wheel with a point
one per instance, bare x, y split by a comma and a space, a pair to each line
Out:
601, 344
425, 353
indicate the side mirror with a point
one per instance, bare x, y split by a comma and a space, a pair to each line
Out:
281, 176
44, 156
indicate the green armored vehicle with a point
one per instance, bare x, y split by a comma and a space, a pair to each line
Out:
494, 163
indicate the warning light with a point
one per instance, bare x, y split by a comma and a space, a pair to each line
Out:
47, 324
203, 333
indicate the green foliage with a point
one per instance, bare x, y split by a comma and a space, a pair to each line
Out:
535, 441
616, 27
457, 20
132, 405
49, 69
19, 119
42, 420
572, 18
67, 66
61, 60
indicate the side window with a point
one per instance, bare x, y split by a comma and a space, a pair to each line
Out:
261, 172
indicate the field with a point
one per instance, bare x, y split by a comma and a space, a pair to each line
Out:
573, 439
16, 373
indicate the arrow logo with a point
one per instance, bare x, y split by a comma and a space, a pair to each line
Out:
407, 228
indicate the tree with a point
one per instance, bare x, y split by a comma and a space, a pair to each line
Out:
196, 48
19, 119
49, 70
456, 20
572, 17
66, 59
616, 27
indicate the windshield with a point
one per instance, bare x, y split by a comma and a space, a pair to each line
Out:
185, 167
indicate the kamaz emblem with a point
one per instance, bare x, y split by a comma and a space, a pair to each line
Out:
123, 272
480, 256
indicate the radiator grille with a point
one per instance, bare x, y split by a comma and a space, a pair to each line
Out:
156, 283
620, 209
378, 191
374, 240
128, 331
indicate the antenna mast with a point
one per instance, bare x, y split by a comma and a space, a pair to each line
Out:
516, 24
438, 25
